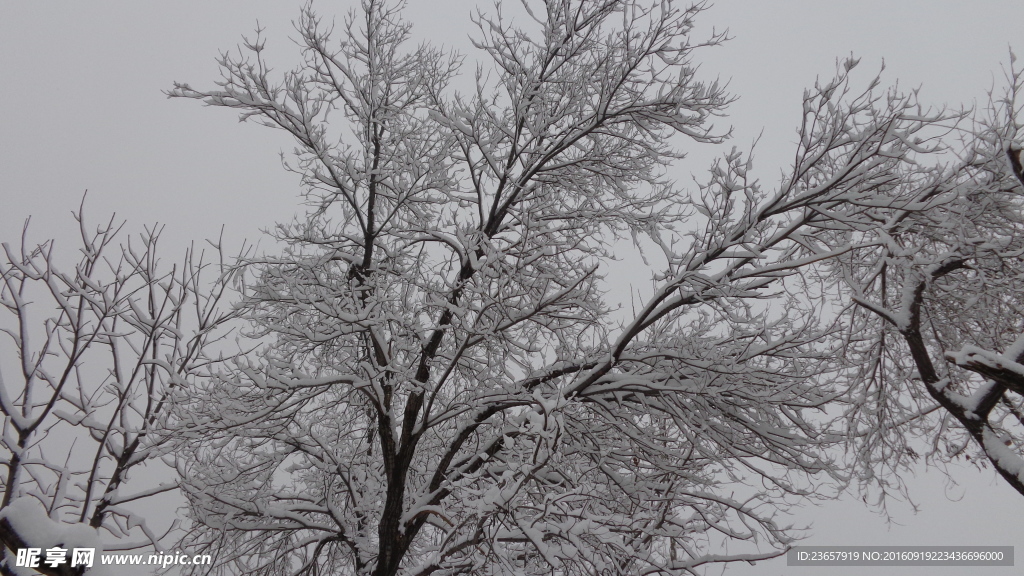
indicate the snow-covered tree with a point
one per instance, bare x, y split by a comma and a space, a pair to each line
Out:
937, 286
449, 388
93, 351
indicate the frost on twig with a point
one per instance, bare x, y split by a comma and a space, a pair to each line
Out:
946, 260
94, 355
447, 388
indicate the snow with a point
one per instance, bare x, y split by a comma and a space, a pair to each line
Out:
996, 449
974, 355
970, 403
29, 519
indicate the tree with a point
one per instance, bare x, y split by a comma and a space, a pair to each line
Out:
92, 359
446, 389
936, 284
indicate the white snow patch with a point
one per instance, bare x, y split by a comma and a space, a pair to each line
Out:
29, 520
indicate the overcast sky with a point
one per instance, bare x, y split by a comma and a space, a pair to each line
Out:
81, 107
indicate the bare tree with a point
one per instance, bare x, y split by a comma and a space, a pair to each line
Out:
937, 287
92, 357
447, 390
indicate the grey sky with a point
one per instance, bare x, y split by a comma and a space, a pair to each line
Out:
81, 108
